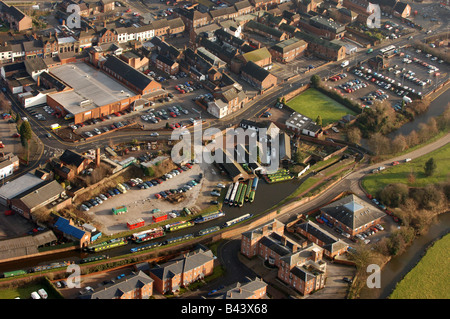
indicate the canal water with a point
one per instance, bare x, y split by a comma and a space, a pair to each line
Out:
436, 108
400, 265
267, 195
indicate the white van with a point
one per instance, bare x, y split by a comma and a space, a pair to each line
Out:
35, 295
344, 64
407, 159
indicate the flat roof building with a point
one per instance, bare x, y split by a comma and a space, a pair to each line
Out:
94, 93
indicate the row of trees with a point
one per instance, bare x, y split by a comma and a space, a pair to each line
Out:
382, 145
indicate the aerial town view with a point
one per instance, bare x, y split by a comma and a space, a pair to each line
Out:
202, 151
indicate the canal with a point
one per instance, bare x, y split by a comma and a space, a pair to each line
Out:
400, 265
436, 108
267, 195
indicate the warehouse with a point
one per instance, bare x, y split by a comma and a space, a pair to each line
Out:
94, 94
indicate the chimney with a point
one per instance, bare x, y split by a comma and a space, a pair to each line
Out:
63, 22
97, 157
39, 81
104, 24
294, 248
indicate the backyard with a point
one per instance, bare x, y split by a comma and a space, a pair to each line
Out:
312, 103
403, 172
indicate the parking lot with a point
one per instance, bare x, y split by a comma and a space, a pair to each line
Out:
298, 66
410, 72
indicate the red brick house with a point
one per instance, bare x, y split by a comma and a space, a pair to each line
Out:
258, 76
288, 50
166, 65
137, 285
182, 271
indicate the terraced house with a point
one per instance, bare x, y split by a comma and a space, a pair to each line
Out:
183, 270
134, 286
15, 17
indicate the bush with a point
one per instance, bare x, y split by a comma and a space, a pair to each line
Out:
394, 195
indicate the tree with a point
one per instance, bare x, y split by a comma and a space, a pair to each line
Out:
399, 144
315, 80
319, 120
354, 135
430, 167
25, 132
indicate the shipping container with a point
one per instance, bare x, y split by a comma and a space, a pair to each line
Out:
135, 223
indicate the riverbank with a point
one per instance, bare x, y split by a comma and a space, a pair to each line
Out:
396, 267
429, 279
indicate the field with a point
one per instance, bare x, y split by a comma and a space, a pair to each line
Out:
400, 173
312, 103
430, 278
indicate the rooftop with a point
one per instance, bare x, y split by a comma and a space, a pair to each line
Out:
88, 84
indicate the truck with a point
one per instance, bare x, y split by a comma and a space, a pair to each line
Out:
119, 210
55, 126
344, 64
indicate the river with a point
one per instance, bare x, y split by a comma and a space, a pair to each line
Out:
436, 108
400, 265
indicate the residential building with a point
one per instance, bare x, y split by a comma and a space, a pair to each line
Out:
137, 285
135, 60
192, 18
222, 14
288, 50
15, 17
322, 27
258, 76
332, 246
305, 271
243, 7
250, 240
35, 67
265, 31
9, 164
249, 289
328, 50
166, 64
352, 215
260, 57
226, 101
75, 161
107, 5
183, 270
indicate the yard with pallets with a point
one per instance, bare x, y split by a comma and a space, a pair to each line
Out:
313, 103
430, 278
402, 173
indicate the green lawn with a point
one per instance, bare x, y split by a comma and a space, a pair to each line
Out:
312, 103
430, 279
400, 173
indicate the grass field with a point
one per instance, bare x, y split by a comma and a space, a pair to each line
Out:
312, 103
400, 173
430, 279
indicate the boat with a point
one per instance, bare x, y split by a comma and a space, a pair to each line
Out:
145, 247
51, 266
208, 230
240, 201
238, 194
147, 235
177, 239
113, 243
93, 258
249, 188
209, 216
228, 195
251, 197
237, 220
255, 183
233, 194
179, 225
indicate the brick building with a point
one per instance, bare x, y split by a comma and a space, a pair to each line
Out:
352, 215
258, 76
288, 50
182, 271
15, 17
166, 64
137, 285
